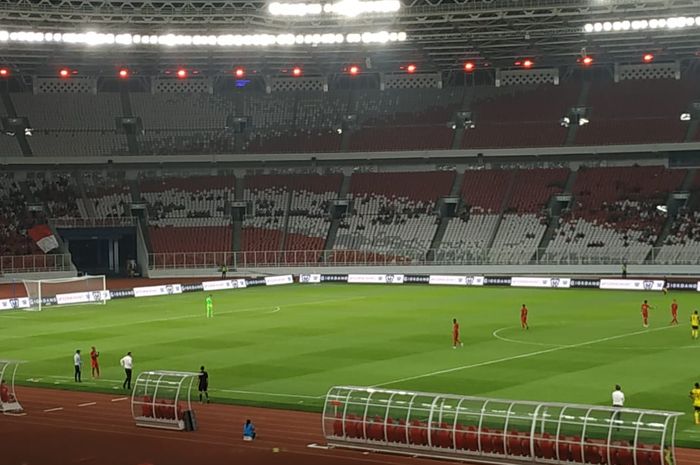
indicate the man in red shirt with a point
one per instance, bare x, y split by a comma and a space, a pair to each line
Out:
523, 317
5, 395
645, 314
455, 334
94, 363
674, 312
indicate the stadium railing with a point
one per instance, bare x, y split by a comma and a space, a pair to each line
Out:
34, 263
115, 221
408, 257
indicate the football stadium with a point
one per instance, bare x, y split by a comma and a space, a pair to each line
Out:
350, 232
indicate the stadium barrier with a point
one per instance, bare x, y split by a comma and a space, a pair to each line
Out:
35, 263
497, 431
162, 399
104, 222
405, 257
549, 282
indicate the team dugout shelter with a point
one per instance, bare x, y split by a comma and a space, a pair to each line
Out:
496, 430
162, 399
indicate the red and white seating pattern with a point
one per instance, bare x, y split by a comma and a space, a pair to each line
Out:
466, 238
13, 219
683, 243
615, 214
110, 196
59, 193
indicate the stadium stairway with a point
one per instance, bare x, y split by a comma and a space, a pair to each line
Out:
444, 221
237, 224
693, 128
85, 206
504, 204
131, 140
673, 204
10, 109
335, 222
581, 102
285, 221
555, 208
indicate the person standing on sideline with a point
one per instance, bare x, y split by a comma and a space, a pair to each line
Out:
624, 270
695, 396
210, 306
248, 431
94, 364
694, 324
455, 334
224, 270
203, 384
674, 312
618, 402
127, 362
78, 363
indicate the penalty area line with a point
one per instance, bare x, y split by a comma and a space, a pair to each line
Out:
519, 356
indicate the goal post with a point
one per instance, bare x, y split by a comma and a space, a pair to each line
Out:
66, 291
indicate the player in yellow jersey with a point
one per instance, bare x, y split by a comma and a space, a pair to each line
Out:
694, 323
695, 395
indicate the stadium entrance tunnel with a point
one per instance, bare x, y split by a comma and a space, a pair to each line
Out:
162, 399
496, 430
8, 397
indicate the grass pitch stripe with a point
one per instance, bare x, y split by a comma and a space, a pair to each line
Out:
516, 357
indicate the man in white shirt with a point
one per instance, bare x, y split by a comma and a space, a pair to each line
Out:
78, 363
127, 363
618, 402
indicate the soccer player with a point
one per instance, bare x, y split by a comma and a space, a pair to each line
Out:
695, 395
694, 323
455, 334
645, 314
94, 364
523, 317
210, 306
203, 383
674, 312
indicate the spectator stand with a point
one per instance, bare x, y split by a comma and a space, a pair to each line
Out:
8, 396
162, 399
496, 431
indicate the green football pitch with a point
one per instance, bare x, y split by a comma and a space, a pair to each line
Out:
285, 346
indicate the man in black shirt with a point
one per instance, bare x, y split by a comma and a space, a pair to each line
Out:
203, 383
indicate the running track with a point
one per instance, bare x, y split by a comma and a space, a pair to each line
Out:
82, 428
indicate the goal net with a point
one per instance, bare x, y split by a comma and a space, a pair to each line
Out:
66, 291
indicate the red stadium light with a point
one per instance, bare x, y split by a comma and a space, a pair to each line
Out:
528, 63
4, 72
239, 72
64, 73
469, 66
411, 68
124, 73
181, 73
587, 60
296, 71
354, 70
648, 57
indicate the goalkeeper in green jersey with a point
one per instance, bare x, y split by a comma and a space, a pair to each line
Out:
210, 306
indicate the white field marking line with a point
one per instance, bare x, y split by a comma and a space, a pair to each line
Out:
91, 381
277, 309
516, 357
271, 394
120, 399
55, 409
13, 414
198, 315
87, 404
313, 445
495, 334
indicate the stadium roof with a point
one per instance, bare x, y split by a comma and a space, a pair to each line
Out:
442, 35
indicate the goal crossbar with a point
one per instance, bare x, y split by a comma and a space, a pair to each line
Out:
66, 291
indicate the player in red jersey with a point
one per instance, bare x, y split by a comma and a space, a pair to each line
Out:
455, 334
645, 314
523, 317
94, 364
674, 312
